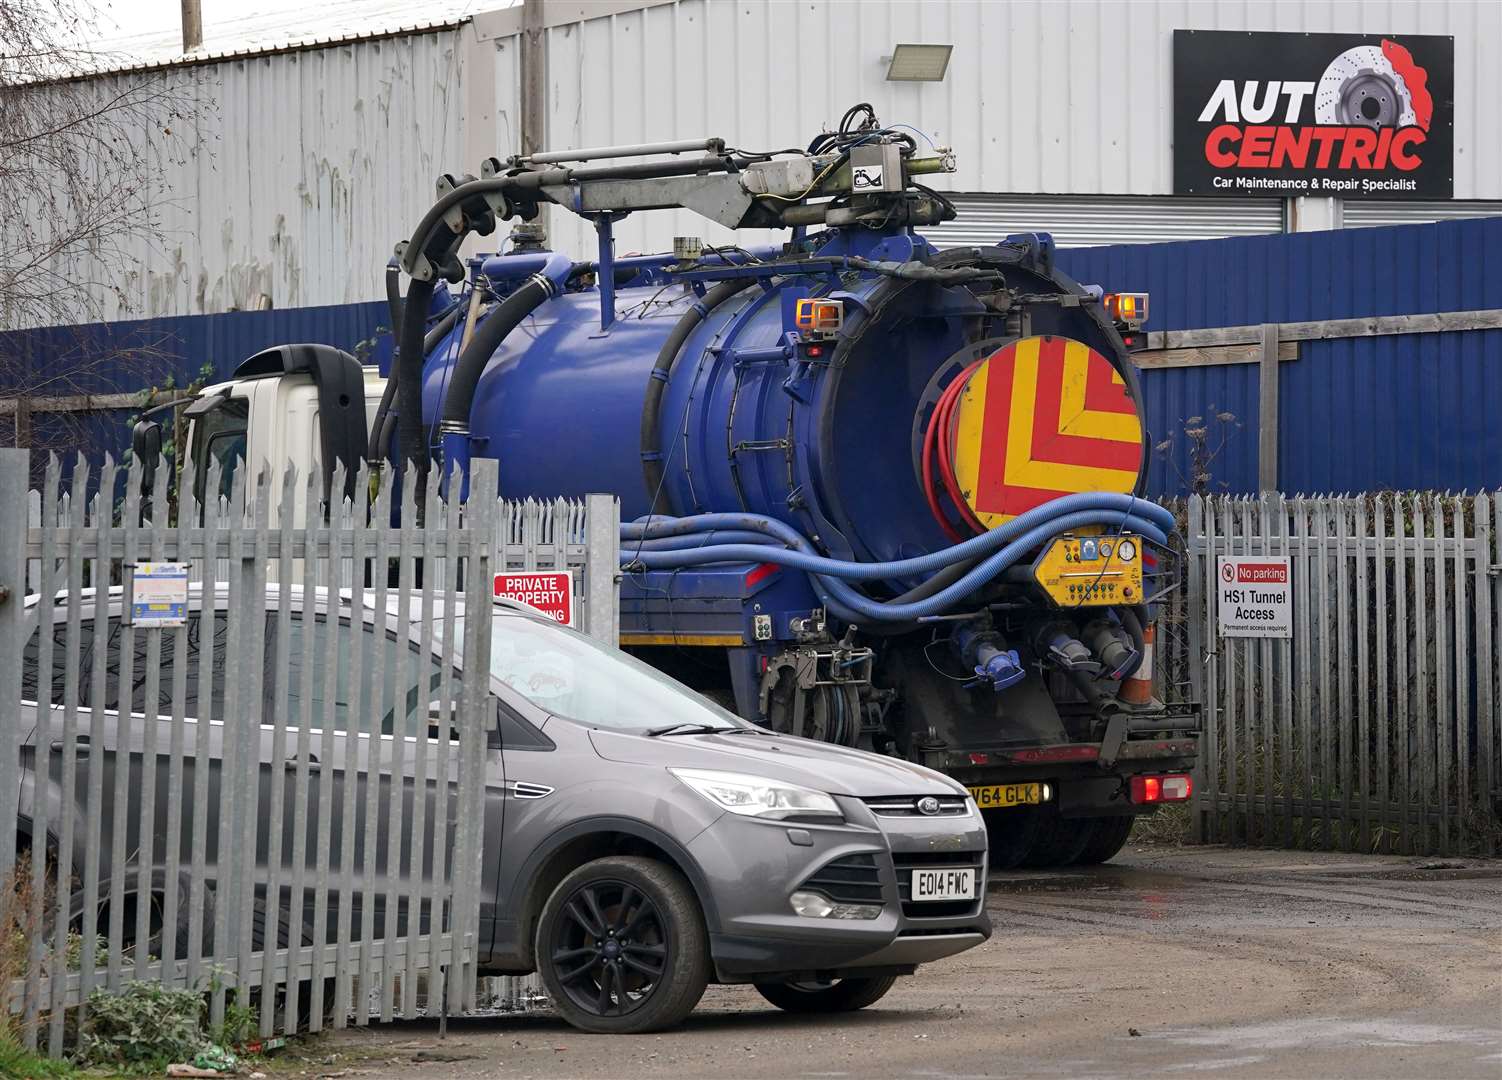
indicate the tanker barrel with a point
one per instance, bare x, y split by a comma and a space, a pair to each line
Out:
551, 157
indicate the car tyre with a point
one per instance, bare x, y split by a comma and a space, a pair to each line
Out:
621, 946
1109, 837
835, 996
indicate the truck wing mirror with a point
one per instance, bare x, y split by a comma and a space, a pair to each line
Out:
146, 447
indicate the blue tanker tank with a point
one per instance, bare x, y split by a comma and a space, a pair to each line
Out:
873, 493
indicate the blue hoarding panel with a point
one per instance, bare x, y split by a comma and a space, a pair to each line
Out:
1355, 414
108, 358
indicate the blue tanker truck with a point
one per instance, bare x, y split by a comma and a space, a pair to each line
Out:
873, 493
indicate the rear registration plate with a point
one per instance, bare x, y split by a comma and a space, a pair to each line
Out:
991, 796
940, 883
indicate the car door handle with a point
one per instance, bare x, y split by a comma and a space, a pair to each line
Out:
292, 763
80, 744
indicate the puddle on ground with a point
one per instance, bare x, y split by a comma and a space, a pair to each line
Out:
1330, 1031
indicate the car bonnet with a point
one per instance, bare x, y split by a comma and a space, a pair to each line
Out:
822, 766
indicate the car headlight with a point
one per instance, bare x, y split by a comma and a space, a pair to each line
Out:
756, 796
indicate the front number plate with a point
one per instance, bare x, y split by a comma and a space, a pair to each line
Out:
944, 884
993, 796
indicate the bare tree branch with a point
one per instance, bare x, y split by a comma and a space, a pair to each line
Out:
81, 198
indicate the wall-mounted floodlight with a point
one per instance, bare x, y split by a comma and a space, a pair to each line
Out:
919, 63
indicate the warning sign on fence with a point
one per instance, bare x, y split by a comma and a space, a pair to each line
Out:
159, 594
549, 591
1254, 597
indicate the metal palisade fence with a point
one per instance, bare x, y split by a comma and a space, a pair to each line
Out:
247, 780
1373, 726
562, 535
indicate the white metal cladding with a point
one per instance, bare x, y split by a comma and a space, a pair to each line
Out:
301, 170
1066, 96
1085, 221
310, 164
1357, 215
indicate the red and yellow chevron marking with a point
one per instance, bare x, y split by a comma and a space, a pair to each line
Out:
1040, 418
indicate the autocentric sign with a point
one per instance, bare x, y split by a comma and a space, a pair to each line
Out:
1344, 115
1039, 418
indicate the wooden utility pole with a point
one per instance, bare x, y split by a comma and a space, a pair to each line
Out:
534, 76
192, 25
534, 58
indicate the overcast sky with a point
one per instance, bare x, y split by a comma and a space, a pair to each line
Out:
152, 30
140, 17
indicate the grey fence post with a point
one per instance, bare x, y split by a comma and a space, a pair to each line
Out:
1195, 616
602, 539
14, 469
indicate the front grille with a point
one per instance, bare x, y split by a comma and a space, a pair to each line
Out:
908, 861
854, 879
907, 805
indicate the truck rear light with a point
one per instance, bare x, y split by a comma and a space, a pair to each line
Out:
980, 759
1156, 789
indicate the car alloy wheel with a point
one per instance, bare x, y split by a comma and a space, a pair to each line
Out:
609, 948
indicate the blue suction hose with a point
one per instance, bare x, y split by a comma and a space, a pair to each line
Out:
997, 549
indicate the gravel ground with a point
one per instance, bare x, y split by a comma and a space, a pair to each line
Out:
1169, 961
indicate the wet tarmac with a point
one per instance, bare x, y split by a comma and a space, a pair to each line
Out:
1168, 962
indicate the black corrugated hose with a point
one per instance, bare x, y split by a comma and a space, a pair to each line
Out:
652, 467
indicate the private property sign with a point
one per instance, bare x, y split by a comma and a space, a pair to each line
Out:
549, 591
1254, 596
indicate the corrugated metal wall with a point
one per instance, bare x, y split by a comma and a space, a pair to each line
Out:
1049, 96
1085, 220
299, 173
1359, 414
1365, 214
125, 356
310, 164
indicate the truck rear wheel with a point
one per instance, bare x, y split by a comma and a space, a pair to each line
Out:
1060, 841
1107, 838
1010, 834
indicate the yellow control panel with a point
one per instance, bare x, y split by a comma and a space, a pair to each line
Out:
1091, 571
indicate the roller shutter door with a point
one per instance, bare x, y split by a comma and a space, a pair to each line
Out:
1093, 220
1367, 213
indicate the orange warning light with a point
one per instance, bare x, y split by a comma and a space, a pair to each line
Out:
817, 316
1128, 308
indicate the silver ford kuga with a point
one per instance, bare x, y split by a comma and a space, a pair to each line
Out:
641, 841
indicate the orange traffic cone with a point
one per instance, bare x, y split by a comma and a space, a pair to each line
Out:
1137, 689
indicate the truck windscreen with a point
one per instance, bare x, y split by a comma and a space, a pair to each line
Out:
219, 435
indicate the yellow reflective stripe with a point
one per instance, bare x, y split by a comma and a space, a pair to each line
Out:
682, 639
967, 449
1074, 418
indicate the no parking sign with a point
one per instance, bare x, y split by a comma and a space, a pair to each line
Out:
1254, 596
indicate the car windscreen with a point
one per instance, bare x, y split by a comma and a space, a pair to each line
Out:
567, 674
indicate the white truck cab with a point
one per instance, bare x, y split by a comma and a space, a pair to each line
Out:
312, 405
